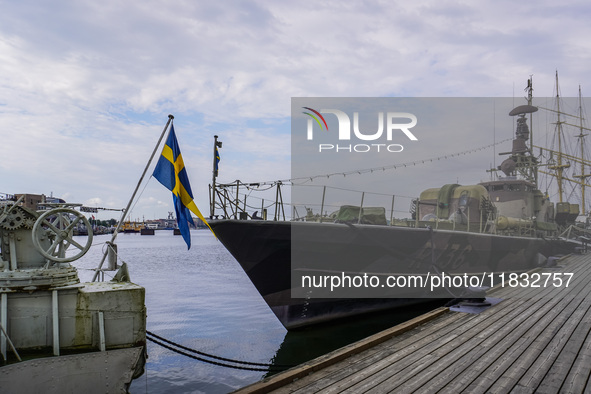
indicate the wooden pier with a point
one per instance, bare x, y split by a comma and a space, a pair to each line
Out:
537, 339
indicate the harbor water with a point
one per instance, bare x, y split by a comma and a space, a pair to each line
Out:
202, 299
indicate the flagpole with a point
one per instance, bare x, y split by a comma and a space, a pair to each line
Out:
216, 144
126, 210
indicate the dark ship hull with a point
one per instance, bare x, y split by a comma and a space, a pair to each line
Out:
265, 250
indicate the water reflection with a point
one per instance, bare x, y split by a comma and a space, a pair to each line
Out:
306, 344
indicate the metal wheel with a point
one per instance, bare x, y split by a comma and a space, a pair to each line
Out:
57, 226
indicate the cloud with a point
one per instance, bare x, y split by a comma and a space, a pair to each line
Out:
95, 201
86, 87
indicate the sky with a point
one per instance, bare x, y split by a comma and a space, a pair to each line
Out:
86, 87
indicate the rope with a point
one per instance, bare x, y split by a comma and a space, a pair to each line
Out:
305, 179
159, 339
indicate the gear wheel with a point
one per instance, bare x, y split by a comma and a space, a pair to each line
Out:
29, 222
14, 219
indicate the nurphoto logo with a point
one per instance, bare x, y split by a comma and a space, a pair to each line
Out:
394, 124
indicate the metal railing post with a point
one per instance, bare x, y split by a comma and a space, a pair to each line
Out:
361, 208
322, 205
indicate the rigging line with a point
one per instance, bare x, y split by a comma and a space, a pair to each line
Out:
250, 190
97, 244
382, 168
353, 190
232, 196
268, 206
252, 185
213, 356
141, 193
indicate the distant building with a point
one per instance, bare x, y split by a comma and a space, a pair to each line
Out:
33, 201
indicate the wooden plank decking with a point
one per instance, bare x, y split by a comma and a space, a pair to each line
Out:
535, 340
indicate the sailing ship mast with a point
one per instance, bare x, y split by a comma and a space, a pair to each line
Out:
559, 167
563, 160
582, 177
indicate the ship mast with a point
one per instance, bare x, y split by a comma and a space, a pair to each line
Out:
521, 160
533, 168
559, 167
582, 177
530, 94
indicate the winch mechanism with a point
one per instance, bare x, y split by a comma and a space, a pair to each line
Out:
33, 245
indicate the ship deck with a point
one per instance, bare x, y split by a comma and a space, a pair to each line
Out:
534, 340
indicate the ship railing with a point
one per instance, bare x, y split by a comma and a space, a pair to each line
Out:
321, 203
239, 200
318, 203
235, 201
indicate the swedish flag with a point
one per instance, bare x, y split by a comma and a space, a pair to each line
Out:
217, 160
171, 172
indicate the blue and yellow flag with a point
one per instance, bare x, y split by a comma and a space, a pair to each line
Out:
217, 161
171, 172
